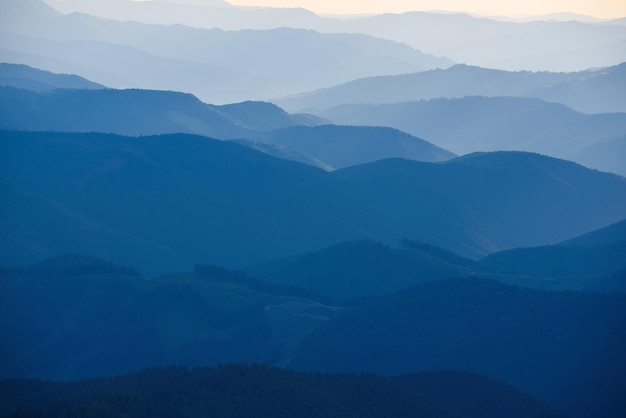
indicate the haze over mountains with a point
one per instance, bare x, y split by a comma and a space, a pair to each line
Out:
216, 65
565, 43
591, 91
489, 124
192, 183
143, 112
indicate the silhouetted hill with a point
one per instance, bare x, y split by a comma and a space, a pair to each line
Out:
75, 317
476, 180
359, 269
260, 116
134, 112
489, 124
592, 261
343, 146
217, 202
611, 234
261, 391
564, 348
590, 91
148, 112
558, 261
455, 82
25, 77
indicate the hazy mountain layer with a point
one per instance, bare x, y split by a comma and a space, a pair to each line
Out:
218, 202
135, 112
218, 66
148, 112
607, 155
24, 77
535, 46
344, 146
490, 124
356, 270
560, 42
590, 91
610, 234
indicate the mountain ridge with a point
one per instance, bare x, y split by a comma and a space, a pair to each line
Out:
221, 194
466, 80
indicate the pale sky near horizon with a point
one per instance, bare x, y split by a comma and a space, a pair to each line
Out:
598, 8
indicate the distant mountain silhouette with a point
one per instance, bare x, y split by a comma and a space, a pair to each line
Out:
477, 40
491, 124
561, 262
135, 112
594, 91
25, 77
599, 92
354, 271
343, 146
218, 202
610, 234
558, 42
260, 391
592, 261
100, 61
148, 112
217, 66
564, 348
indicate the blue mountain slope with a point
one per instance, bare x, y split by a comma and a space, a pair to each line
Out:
134, 112
343, 146
564, 348
218, 202
593, 91
25, 77
472, 124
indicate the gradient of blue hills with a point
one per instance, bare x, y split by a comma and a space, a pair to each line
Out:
198, 200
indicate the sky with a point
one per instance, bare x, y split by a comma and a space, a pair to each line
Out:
517, 8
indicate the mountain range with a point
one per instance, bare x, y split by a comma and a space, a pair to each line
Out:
259, 125
553, 42
355, 271
24, 77
217, 66
489, 124
591, 91
213, 210
203, 200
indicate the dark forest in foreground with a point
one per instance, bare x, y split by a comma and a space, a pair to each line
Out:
260, 391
